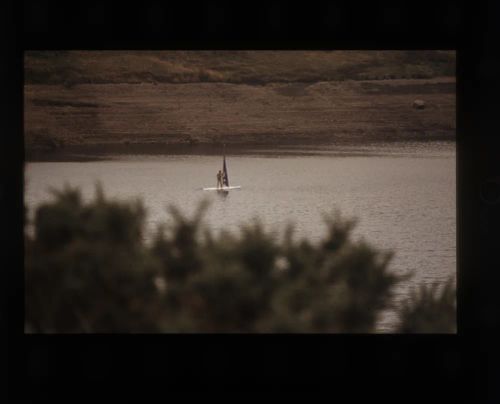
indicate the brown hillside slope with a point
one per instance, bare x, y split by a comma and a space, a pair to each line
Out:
210, 113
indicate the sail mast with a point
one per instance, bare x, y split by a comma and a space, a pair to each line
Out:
224, 169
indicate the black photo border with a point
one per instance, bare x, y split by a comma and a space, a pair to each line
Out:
115, 366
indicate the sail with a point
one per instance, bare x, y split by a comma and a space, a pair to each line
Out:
224, 171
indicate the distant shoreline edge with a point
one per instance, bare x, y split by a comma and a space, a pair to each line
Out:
103, 151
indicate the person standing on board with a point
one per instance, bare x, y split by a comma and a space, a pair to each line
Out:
219, 179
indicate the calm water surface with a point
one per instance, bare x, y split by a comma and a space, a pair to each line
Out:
402, 194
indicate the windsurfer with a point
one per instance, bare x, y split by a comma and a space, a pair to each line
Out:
219, 179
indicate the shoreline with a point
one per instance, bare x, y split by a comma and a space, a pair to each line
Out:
104, 151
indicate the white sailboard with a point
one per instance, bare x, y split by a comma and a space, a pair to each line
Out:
222, 189
225, 181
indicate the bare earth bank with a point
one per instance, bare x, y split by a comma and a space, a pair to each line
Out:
90, 120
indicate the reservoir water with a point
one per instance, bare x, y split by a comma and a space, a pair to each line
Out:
403, 195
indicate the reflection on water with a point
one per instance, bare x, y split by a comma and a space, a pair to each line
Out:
403, 195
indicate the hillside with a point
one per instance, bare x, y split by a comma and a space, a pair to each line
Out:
74, 100
250, 67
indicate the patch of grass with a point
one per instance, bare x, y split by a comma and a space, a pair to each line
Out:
70, 68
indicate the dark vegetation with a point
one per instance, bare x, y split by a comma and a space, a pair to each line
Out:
421, 88
70, 68
89, 269
429, 309
57, 103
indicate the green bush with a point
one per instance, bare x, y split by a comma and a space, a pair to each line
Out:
89, 269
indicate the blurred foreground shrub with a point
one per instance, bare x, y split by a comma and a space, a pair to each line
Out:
429, 310
88, 269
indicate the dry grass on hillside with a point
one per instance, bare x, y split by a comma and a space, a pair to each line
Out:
251, 67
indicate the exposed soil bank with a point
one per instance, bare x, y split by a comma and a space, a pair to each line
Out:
93, 120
